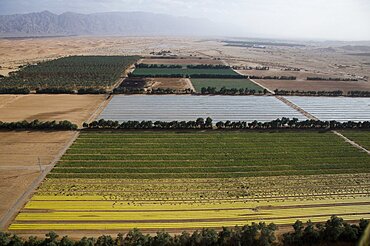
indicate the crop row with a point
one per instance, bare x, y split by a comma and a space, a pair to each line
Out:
360, 137
345, 161
203, 175
186, 215
207, 169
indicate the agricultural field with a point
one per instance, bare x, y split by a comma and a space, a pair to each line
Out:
186, 180
360, 137
182, 61
71, 72
22, 154
179, 84
312, 85
75, 108
186, 108
170, 72
302, 84
335, 108
228, 83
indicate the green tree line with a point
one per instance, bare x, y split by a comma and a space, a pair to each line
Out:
38, 125
334, 232
200, 123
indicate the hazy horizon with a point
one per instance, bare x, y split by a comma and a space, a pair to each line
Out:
346, 20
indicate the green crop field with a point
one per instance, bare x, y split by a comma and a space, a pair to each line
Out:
157, 72
185, 180
228, 83
360, 137
71, 72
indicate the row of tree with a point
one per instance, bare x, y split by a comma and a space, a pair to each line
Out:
128, 90
53, 90
15, 90
358, 94
232, 91
309, 93
200, 123
332, 79
332, 232
206, 76
38, 125
208, 66
162, 91
251, 68
142, 65
272, 77
256, 234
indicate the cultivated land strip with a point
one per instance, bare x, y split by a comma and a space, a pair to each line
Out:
353, 143
312, 117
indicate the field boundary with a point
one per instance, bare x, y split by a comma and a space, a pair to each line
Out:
99, 110
21, 201
297, 108
353, 143
253, 81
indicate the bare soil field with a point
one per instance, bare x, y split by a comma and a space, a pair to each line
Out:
344, 86
20, 155
172, 83
303, 84
183, 61
301, 75
75, 108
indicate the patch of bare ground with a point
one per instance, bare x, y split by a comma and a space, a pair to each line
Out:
289, 85
183, 61
172, 83
300, 75
22, 154
75, 108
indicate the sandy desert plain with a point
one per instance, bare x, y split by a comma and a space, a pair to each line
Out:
92, 204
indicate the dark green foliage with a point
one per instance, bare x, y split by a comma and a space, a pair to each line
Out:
14, 90
72, 72
255, 234
232, 91
358, 94
91, 91
208, 66
283, 123
213, 72
38, 125
332, 79
334, 230
55, 91
309, 93
156, 66
272, 77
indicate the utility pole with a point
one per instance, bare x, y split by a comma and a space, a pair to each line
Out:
39, 164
